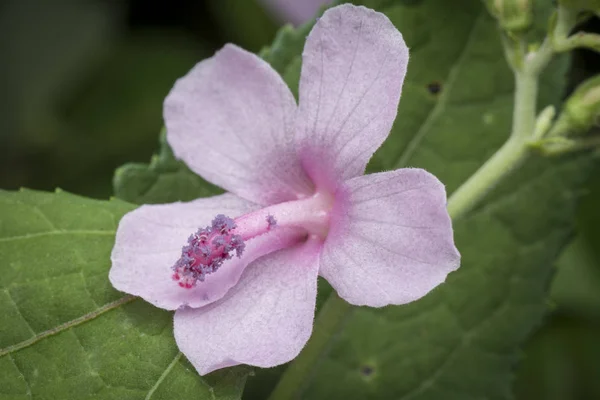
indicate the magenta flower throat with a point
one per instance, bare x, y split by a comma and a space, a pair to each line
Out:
241, 268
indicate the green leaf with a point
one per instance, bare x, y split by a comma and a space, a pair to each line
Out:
576, 286
463, 340
561, 362
588, 217
164, 180
561, 359
65, 333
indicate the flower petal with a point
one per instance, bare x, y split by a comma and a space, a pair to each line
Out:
149, 241
264, 320
353, 67
230, 119
390, 238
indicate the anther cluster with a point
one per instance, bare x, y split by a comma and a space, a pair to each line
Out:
206, 250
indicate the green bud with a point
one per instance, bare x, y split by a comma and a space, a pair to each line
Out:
543, 122
581, 111
512, 15
554, 146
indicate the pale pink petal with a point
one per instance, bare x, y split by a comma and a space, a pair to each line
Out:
264, 320
230, 119
149, 241
390, 238
295, 11
353, 67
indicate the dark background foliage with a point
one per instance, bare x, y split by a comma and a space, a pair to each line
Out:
82, 88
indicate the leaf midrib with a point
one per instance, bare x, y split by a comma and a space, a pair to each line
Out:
67, 325
58, 233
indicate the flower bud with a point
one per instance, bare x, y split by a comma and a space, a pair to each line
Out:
581, 111
512, 15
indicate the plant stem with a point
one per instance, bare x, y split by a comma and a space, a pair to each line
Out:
516, 149
566, 18
510, 156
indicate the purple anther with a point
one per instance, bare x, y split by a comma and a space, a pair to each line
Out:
206, 251
222, 224
271, 221
202, 234
237, 244
219, 241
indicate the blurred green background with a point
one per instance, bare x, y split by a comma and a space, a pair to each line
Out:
82, 88
83, 80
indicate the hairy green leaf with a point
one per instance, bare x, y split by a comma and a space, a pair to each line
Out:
164, 180
65, 333
462, 341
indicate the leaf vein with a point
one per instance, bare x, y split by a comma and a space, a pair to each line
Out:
67, 325
19, 310
163, 376
58, 232
465, 340
29, 395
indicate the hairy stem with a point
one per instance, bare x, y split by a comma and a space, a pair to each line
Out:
509, 157
516, 149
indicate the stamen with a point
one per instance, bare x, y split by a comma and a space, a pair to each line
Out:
271, 221
206, 251
210, 247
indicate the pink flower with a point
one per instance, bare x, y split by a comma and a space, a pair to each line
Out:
244, 285
295, 11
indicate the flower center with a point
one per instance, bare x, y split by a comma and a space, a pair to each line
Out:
286, 224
